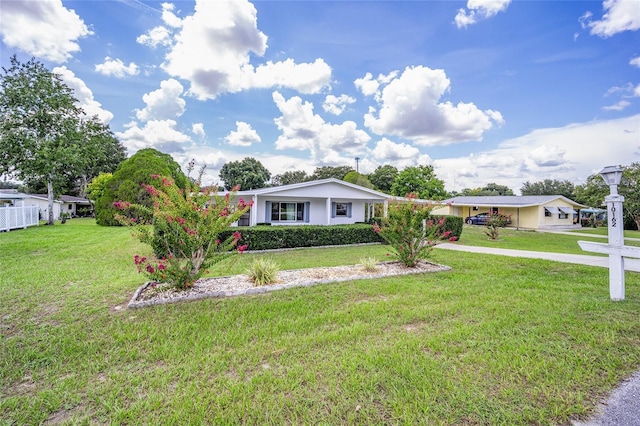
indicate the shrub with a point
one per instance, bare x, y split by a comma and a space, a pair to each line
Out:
185, 232
495, 222
263, 271
410, 231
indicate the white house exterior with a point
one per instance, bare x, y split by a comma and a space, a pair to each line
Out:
320, 202
16, 199
71, 204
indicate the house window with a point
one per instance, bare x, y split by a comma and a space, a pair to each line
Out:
494, 210
287, 212
340, 209
550, 211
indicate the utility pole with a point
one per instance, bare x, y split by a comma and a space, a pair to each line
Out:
357, 159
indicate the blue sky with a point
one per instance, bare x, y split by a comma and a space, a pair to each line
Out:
485, 91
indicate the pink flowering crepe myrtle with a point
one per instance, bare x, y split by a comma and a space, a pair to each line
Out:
186, 229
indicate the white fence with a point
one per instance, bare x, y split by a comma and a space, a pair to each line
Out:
18, 217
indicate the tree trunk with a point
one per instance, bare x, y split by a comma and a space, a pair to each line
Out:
50, 198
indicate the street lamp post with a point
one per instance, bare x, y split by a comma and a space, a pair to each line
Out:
612, 176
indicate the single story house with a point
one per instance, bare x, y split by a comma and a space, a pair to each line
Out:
527, 211
320, 202
76, 206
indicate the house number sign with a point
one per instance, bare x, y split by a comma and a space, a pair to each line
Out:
613, 216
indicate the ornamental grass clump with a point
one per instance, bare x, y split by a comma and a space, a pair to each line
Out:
263, 271
410, 230
184, 230
369, 264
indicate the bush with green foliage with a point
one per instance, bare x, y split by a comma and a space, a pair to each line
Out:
410, 231
186, 230
126, 184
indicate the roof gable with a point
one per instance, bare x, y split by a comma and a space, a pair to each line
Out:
331, 187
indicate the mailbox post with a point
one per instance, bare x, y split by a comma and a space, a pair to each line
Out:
612, 176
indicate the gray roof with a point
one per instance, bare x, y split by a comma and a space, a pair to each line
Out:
508, 200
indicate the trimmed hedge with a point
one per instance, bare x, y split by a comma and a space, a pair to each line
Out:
278, 237
453, 224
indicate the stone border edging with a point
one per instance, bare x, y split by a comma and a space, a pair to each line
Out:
133, 304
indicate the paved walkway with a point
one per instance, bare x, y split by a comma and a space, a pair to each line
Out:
582, 234
580, 259
622, 408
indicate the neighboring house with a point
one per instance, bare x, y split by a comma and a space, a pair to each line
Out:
527, 211
75, 206
17, 199
319, 202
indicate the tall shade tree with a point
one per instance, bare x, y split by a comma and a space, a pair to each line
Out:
289, 177
358, 179
420, 181
39, 125
327, 172
549, 187
631, 190
248, 173
594, 191
491, 189
383, 177
102, 153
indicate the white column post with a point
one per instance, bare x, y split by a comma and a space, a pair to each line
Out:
253, 213
328, 208
616, 241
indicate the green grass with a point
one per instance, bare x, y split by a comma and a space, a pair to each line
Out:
510, 238
494, 341
605, 231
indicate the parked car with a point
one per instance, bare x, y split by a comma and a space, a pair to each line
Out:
483, 218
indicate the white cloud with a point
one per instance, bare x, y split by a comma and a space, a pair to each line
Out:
169, 17
618, 106
635, 61
548, 156
213, 50
569, 153
636, 91
162, 135
163, 103
116, 68
45, 29
399, 155
367, 85
619, 16
83, 94
158, 36
303, 130
337, 104
244, 135
198, 130
409, 108
478, 10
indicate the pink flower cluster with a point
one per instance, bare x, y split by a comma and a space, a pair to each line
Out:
121, 205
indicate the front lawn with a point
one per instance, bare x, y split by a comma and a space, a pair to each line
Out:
603, 230
511, 238
496, 340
